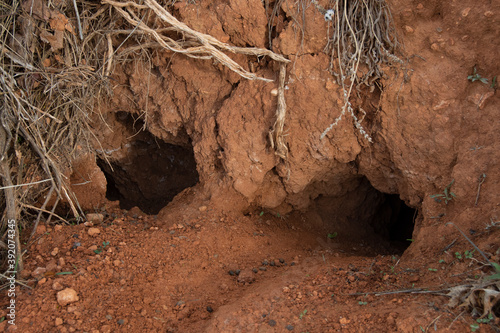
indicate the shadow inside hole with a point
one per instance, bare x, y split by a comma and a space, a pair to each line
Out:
151, 172
365, 216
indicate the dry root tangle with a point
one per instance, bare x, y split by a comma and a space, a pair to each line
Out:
361, 39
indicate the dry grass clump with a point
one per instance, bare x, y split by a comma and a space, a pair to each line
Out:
52, 73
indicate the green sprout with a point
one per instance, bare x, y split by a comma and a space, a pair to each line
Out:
332, 235
447, 195
101, 248
476, 77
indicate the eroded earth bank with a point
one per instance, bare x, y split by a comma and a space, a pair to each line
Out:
206, 229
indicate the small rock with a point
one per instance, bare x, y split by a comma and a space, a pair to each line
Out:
232, 273
93, 248
95, 217
58, 227
465, 12
42, 281
94, 231
109, 317
105, 329
25, 274
265, 262
121, 321
71, 308
38, 271
62, 262
289, 327
54, 252
202, 208
282, 260
488, 13
184, 313
271, 323
59, 321
255, 270
57, 285
51, 266
209, 309
262, 268
414, 279
246, 276
41, 229
117, 262
409, 29
67, 296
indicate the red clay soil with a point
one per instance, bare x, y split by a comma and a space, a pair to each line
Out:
140, 275
252, 244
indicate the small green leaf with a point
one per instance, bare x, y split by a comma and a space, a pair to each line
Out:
332, 235
474, 327
261, 213
362, 303
64, 273
433, 269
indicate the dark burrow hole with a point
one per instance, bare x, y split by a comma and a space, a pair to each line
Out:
149, 172
364, 216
